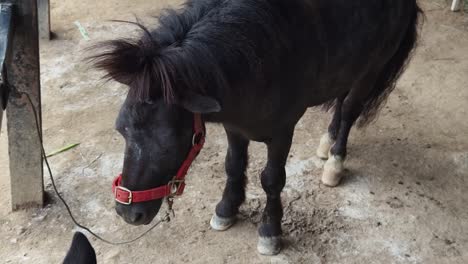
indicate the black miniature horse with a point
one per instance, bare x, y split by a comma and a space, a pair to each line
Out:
254, 66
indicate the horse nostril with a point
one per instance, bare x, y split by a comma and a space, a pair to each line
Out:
118, 210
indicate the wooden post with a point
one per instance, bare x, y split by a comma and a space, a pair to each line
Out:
1, 114
456, 5
26, 171
44, 19
6, 14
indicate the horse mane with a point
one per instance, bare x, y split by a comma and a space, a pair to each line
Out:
134, 63
192, 50
143, 63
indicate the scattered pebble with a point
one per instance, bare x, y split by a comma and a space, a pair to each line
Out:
21, 230
395, 203
39, 218
448, 241
112, 254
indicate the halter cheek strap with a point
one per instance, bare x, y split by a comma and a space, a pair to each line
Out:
176, 186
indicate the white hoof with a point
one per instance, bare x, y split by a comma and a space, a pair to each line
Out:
269, 246
221, 223
332, 171
326, 142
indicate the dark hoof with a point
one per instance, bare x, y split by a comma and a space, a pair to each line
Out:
269, 246
221, 223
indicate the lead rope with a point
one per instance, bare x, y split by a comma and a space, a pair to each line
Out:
169, 200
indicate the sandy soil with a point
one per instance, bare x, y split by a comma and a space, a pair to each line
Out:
404, 199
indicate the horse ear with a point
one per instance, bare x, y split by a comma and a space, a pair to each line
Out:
202, 104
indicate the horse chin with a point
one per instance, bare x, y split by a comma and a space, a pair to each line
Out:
139, 213
151, 216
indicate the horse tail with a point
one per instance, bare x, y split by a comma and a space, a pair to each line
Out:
394, 68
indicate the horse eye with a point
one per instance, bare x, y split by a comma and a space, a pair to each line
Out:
122, 129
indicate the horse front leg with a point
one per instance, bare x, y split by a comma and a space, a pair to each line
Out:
234, 192
273, 179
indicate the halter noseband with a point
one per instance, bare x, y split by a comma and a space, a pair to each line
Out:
176, 186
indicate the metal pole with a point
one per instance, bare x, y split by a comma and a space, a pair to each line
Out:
23, 73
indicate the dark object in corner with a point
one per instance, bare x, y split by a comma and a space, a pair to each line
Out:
81, 251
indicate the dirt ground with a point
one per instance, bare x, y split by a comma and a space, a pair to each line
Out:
404, 199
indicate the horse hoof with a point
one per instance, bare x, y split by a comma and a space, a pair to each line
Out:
221, 223
332, 171
269, 246
325, 144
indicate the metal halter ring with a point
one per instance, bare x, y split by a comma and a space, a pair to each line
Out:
175, 186
197, 138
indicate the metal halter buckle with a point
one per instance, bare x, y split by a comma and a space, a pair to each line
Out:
197, 138
175, 187
130, 196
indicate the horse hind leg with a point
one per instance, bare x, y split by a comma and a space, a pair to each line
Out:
333, 168
364, 101
329, 138
351, 106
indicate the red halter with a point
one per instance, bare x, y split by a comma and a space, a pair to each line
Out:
176, 186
